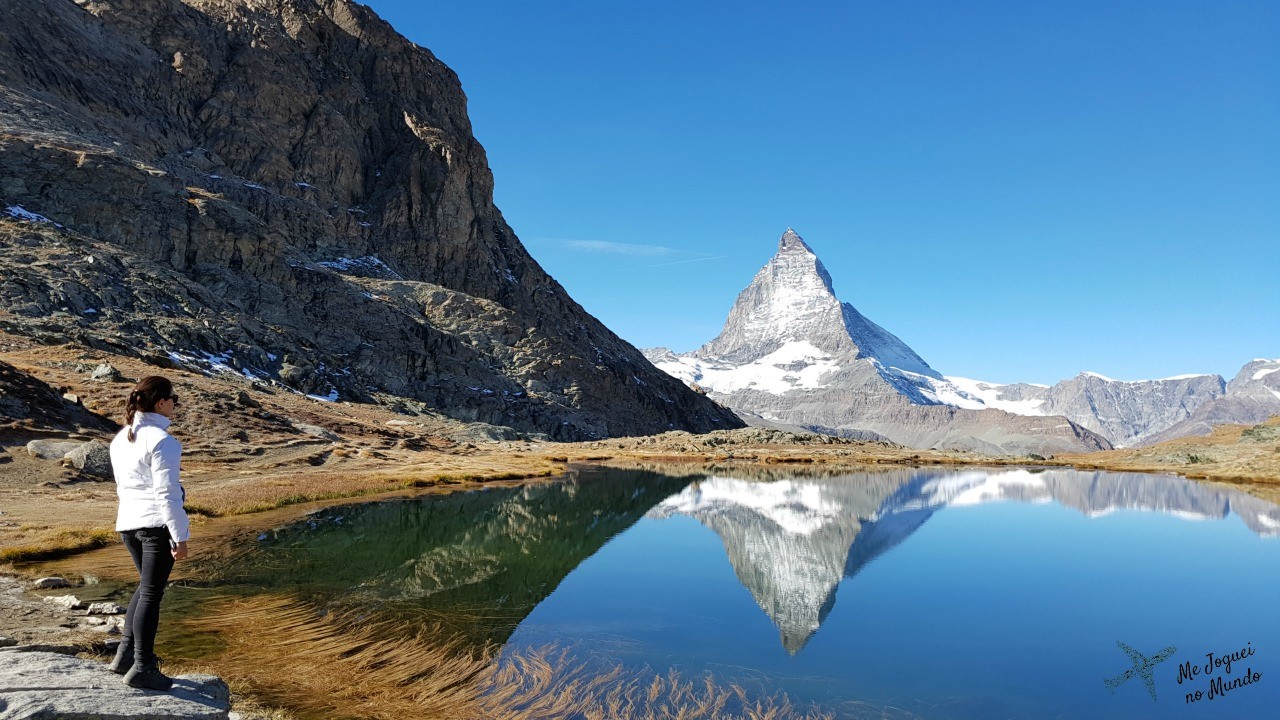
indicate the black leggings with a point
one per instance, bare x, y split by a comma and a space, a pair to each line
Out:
154, 560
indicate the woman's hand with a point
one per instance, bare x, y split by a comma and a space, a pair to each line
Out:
180, 551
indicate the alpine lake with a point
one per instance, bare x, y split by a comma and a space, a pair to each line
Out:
909, 593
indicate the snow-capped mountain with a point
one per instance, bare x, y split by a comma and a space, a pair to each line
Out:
789, 313
791, 352
1141, 412
792, 541
1124, 412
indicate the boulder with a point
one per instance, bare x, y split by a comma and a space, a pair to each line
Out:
92, 458
51, 449
105, 373
50, 583
244, 400
317, 431
49, 685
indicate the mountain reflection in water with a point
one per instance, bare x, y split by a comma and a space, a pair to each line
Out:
478, 560
629, 567
484, 559
792, 541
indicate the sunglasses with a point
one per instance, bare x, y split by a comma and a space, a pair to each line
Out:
174, 398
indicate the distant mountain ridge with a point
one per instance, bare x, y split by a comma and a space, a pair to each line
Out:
1142, 412
791, 352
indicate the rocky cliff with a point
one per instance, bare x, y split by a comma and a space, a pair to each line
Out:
791, 352
1252, 396
291, 191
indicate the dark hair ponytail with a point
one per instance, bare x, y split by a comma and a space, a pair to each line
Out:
144, 396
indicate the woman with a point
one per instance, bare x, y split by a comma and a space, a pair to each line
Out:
151, 522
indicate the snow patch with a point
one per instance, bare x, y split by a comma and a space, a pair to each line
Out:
998, 486
20, 213
368, 265
931, 389
991, 395
1265, 372
796, 507
797, 365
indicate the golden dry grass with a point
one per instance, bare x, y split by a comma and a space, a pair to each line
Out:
27, 544
293, 656
258, 492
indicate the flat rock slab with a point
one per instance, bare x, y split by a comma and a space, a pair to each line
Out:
51, 449
41, 685
70, 602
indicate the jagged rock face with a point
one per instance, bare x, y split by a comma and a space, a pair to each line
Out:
1259, 379
1143, 412
792, 353
1129, 412
309, 180
1252, 396
791, 301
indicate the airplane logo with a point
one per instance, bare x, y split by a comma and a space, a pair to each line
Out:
1142, 667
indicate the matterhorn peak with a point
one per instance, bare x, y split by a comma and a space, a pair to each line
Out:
790, 300
789, 315
792, 353
791, 240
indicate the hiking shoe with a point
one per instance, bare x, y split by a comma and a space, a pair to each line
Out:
148, 676
123, 660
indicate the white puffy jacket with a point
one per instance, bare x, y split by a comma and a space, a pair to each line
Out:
146, 473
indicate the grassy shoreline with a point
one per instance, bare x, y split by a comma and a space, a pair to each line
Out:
63, 541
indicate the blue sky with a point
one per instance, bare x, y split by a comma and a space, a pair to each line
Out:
1019, 190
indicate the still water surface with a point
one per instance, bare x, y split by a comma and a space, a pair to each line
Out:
916, 593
